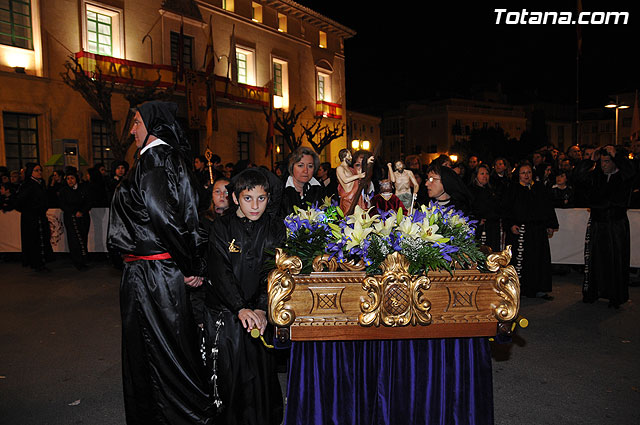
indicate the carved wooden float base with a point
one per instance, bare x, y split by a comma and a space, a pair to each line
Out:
349, 305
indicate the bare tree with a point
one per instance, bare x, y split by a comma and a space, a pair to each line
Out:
97, 90
285, 122
320, 136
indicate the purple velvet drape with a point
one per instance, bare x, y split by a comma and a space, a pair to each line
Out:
426, 381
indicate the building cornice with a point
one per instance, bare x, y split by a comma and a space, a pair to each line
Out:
310, 16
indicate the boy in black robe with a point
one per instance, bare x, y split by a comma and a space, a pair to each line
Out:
244, 381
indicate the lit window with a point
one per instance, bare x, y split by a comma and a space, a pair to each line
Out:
20, 139
242, 67
99, 33
280, 84
323, 39
15, 23
245, 61
102, 31
324, 87
228, 5
282, 22
256, 12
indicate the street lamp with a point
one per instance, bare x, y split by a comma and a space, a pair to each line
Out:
357, 144
617, 106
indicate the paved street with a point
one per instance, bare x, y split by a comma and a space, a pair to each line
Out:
60, 353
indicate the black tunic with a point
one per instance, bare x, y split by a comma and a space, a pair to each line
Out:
247, 381
35, 233
486, 206
73, 201
607, 242
529, 207
312, 194
154, 211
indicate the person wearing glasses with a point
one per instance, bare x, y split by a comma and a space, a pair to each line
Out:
531, 220
35, 234
447, 188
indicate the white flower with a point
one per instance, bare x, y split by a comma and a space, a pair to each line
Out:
407, 228
361, 216
429, 233
385, 227
356, 235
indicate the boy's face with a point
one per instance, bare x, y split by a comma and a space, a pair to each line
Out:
252, 203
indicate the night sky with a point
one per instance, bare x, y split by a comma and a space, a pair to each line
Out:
420, 50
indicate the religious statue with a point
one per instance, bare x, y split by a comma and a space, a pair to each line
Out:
405, 182
386, 200
348, 181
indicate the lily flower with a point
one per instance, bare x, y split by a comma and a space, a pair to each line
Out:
408, 227
356, 235
429, 233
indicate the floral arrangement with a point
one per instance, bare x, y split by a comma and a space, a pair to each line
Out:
432, 238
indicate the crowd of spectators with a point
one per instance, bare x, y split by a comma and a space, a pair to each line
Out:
512, 201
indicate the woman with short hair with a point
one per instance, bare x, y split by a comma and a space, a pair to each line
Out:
485, 208
531, 221
301, 188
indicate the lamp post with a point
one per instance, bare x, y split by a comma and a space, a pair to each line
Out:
357, 144
617, 106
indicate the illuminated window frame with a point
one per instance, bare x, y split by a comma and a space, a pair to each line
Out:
280, 76
99, 33
228, 5
282, 22
322, 39
324, 86
15, 24
256, 12
246, 64
117, 27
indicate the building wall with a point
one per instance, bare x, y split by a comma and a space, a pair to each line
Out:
363, 127
58, 28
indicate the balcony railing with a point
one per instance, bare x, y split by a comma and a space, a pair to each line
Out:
143, 75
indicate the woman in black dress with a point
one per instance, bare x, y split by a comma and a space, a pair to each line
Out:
485, 208
31, 201
75, 204
301, 188
531, 220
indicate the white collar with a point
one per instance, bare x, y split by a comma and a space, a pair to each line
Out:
312, 182
156, 142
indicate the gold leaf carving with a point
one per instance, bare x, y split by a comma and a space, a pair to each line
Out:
396, 298
322, 261
506, 285
280, 286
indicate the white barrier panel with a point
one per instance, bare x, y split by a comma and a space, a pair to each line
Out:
10, 231
567, 245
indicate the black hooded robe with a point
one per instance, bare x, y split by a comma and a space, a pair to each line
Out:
607, 241
154, 211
